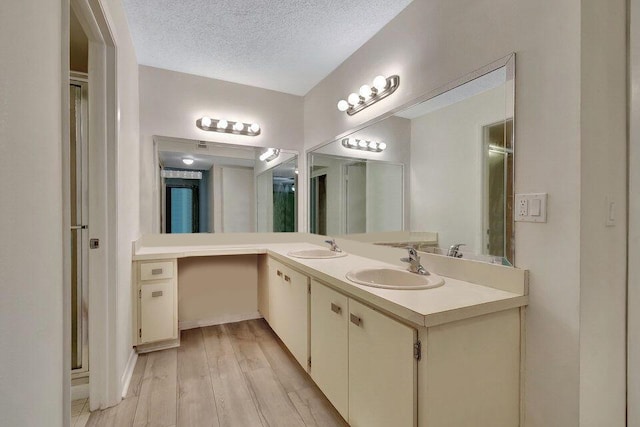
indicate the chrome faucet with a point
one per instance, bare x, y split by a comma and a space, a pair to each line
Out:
334, 245
454, 250
414, 263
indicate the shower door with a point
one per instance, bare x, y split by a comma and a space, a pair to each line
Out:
78, 191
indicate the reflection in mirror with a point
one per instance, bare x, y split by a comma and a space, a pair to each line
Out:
276, 193
206, 187
457, 151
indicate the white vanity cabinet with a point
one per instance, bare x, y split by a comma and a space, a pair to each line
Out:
362, 360
288, 292
156, 308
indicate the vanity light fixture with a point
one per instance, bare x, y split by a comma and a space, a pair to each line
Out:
361, 144
368, 95
269, 154
222, 125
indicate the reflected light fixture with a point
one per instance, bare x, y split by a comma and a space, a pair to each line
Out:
361, 144
187, 161
269, 154
369, 95
222, 125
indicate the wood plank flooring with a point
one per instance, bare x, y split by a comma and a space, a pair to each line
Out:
233, 375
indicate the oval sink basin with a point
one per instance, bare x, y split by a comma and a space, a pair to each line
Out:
394, 278
316, 254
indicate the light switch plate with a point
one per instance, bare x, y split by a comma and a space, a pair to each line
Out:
531, 207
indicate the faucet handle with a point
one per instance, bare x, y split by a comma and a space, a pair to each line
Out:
413, 253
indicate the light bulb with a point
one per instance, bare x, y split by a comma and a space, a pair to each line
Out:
362, 144
382, 146
293, 188
373, 145
222, 124
354, 99
365, 91
343, 105
187, 161
238, 126
353, 142
264, 156
205, 121
296, 171
380, 83
254, 127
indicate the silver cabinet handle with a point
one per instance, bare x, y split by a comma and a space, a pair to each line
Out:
155, 294
336, 308
287, 278
279, 273
156, 271
355, 320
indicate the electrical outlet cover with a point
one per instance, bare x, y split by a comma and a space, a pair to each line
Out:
524, 204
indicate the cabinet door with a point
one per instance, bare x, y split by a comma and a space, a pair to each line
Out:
289, 309
295, 326
157, 312
330, 345
382, 368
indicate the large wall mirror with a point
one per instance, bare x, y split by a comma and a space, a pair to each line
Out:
446, 172
206, 187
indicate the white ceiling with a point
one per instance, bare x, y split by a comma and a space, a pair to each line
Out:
283, 45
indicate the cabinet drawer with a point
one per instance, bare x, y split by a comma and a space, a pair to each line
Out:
157, 312
156, 270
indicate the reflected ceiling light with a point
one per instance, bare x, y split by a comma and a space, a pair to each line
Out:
368, 95
182, 174
222, 125
360, 144
296, 171
269, 154
187, 161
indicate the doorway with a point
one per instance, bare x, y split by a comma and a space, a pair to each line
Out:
497, 190
78, 196
318, 202
355, 184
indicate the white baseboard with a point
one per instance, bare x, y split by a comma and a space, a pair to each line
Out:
128, 372
80, 391
218, 320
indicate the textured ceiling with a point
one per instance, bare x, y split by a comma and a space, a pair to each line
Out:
284, 45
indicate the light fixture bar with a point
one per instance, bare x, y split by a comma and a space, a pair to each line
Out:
269, 154
360, 144
369, 95
227, 126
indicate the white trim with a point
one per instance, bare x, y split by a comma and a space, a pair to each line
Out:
104, 387
218, 320
128, 373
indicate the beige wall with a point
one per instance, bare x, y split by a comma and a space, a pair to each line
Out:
31, 306
171, 102
431, 43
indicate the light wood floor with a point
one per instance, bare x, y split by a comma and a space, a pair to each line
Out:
235, 375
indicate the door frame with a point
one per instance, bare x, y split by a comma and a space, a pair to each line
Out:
104, 383
633, 239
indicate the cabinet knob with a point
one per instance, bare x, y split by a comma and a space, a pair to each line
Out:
279, 273
156, 271
355, 320
155, 294
336, 308
287, 278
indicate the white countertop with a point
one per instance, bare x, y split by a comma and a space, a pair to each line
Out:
455, 300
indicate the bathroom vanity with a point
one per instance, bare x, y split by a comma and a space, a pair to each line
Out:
444, 356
